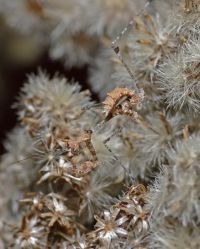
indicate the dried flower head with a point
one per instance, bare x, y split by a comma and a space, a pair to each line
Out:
31, 234
108, 228
148, 44
56, 212
175, 193
154, 136
179, 77
185, 21
47, 102
132, 205
124, 220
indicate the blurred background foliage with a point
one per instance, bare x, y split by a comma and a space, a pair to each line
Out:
20, 56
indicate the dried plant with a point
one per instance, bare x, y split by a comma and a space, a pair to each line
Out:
123, 173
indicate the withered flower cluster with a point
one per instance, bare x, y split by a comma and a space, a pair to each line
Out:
69, 181
123, 173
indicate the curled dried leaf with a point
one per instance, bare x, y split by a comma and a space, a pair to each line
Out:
121, 101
